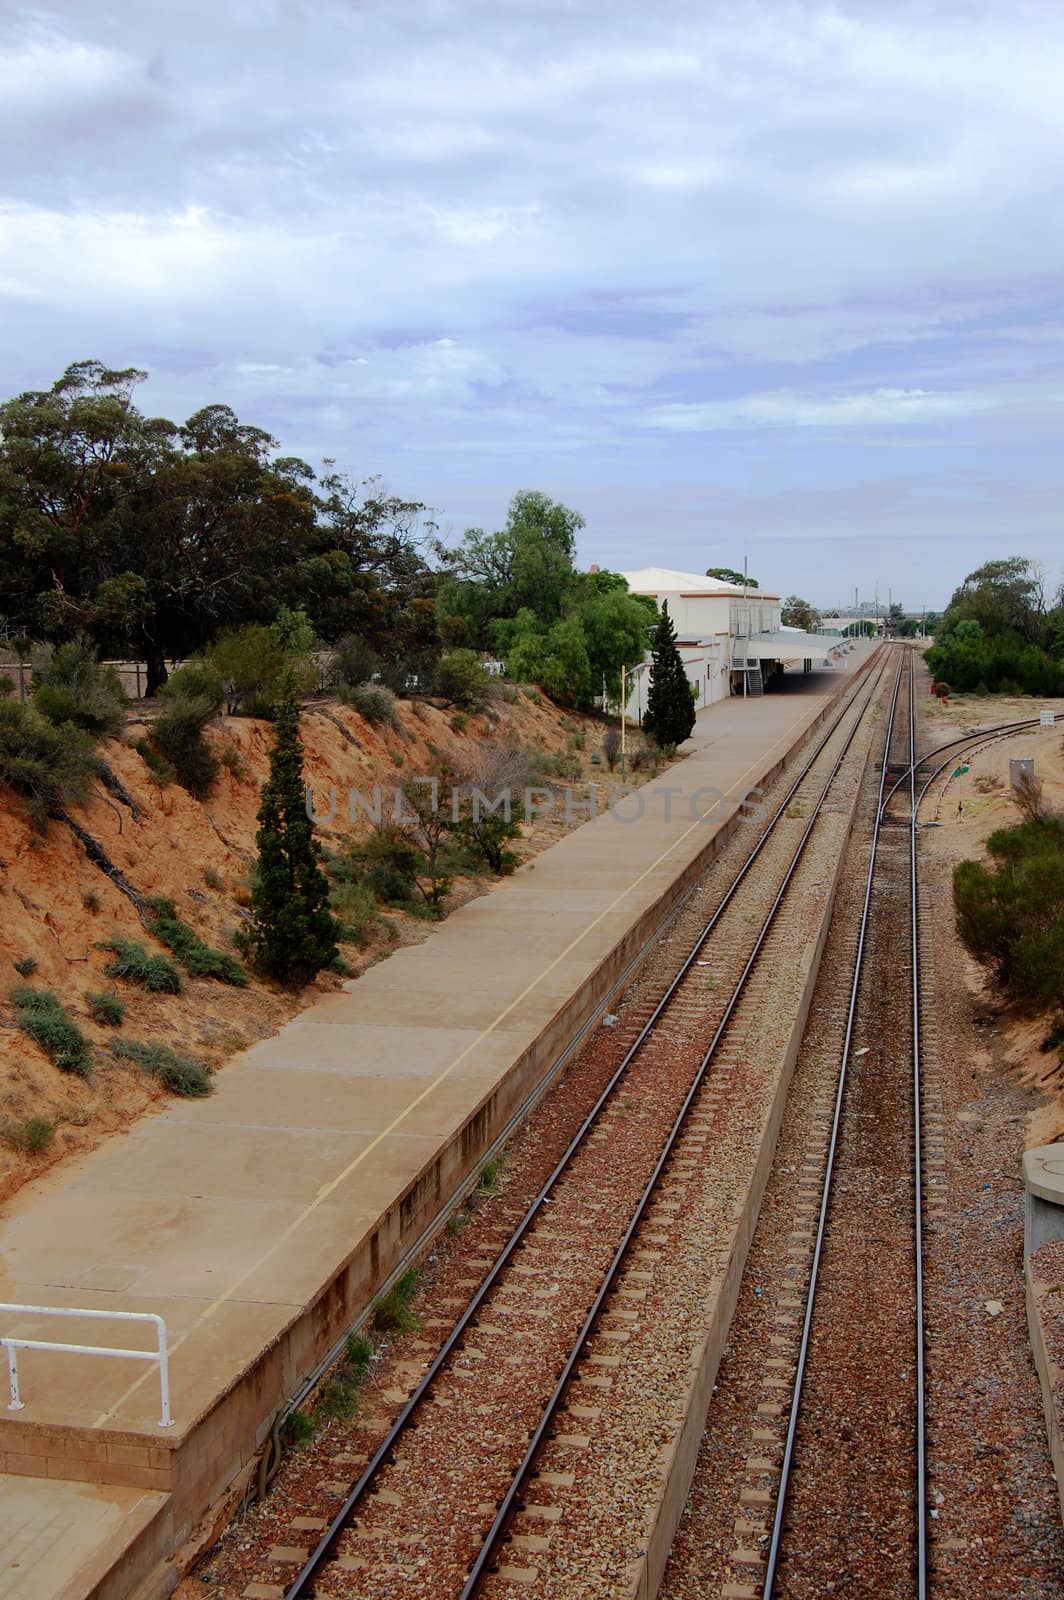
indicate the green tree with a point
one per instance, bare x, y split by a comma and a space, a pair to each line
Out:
528, 565
798, 613
670, 714
292, 934
462, 679
729, 575
70, 685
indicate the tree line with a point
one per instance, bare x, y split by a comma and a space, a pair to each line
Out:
152, 539
1000, 635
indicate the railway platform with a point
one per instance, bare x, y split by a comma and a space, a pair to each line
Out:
259, 1223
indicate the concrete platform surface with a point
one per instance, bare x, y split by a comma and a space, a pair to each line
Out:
61, 1539
235, 1218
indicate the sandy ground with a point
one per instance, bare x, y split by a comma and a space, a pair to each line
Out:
959, 813
56, 906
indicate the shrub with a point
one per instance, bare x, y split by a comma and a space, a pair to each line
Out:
29, 1137
353, 662
72, 686
106, 1009
1010, 914
51, 767
191, 699
355, 907
213, 878
91, 901
197, 957
300, 1427
373, 701
462, 680
388, 864
26, 967
180, 1074
156, 974
611, 746
393, 1312
248, 663
39, 1014
161, 770
459, 722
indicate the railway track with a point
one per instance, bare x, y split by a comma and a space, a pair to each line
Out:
537, 1321
813, 1473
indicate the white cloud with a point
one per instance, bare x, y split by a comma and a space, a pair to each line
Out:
875, 409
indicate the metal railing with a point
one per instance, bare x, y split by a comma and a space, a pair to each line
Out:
13, 1344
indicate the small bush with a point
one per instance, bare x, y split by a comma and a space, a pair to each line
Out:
52, 767
178, 733
26, 967
459, 722
213, 878
161, 770
507, 692
198, 958
91, 901
39, 1014
534, 695
156, 974
106, 1009
1010, 914
248, 663
611, 747
29, 1137
462, 680
355, 907
300, 1427
393, 1312
70, 685
374, 701
490, 1173
180, 1074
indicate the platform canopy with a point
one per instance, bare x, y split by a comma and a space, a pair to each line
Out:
787, 644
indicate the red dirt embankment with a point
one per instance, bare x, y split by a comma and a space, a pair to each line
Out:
56, 906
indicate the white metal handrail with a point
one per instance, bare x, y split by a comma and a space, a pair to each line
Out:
12, 1344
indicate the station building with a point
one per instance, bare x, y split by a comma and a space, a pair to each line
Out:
731, 639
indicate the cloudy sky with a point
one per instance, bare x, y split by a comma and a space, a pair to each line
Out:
779, 280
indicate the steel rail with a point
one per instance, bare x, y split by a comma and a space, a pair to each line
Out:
481, 1564
327, 1549
918, 1177
772, 1559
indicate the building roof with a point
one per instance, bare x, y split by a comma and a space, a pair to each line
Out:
692, 585
664, 580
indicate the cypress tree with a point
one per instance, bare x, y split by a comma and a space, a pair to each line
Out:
670, 714
293, 933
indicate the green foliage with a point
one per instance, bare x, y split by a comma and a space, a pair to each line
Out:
373, 701
51, 767
300, 1427
353, 662
191, 700
180, 1074
1010, 914
40, 1014
490, 1174
462, 680
106, 1009
341, 1392
198, 958
799, 613
393, 1312
354, 905
730, 575
670, 714
157, 974
611, 747
250, 661
29, 1137
162, 771
292, 934
70, 685
26, 967
166, 534
997, 636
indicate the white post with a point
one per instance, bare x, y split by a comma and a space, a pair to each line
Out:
15, 1403
166, 1420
